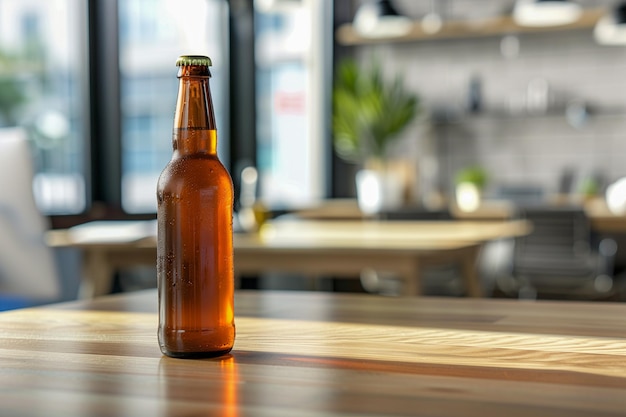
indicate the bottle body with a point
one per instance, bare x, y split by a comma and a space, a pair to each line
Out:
194, 250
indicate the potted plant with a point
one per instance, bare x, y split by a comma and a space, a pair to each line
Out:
470, 183
369, 113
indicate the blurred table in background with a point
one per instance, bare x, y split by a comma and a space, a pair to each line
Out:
601, 218
308, 247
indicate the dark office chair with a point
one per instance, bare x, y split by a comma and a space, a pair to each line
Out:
559, 258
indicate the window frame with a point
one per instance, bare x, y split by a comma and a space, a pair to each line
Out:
103, 142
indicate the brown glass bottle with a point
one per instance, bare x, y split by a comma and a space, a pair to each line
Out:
195, 232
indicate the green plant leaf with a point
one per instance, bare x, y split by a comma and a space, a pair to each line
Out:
368, 111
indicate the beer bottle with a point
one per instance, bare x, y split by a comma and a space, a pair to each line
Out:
195, 232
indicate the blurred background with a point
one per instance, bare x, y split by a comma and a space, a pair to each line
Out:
529, 99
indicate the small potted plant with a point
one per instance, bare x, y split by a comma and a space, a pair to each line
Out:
369, 113
470, 183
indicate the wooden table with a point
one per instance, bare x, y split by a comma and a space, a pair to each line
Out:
601, 218
313, 248
321, 354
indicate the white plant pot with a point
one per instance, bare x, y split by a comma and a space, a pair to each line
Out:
468, 196
378, 191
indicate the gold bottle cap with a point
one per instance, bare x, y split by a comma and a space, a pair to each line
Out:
187, 60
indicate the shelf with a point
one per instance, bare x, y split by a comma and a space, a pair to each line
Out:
459, 29
443, 118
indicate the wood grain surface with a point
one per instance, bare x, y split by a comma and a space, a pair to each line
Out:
320, 354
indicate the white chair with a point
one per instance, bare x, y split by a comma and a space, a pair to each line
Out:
28, 270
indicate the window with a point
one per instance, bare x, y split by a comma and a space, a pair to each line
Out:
153, 33
92, 146
43, 89
293, 57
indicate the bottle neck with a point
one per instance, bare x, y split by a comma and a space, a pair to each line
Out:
194, 120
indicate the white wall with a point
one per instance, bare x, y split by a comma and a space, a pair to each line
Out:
516, 147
